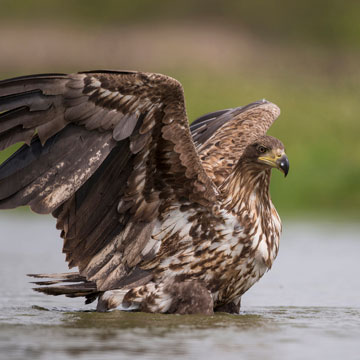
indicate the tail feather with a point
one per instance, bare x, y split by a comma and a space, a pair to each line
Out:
80, 287
61, 277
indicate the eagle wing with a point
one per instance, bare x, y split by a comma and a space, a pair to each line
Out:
221, 137
107, 151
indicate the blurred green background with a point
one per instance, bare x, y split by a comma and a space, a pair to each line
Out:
303, 56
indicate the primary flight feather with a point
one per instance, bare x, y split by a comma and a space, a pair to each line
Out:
155, 215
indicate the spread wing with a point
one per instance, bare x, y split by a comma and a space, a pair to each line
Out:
221, 137
108, 151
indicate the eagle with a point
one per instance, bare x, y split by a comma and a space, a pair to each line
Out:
155, 215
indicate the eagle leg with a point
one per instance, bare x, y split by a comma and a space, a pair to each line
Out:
230, 308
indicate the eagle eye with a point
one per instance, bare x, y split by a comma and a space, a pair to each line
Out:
261, 149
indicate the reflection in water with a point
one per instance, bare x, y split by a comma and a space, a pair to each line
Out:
133, 334
141, 333
270, 332
159, 322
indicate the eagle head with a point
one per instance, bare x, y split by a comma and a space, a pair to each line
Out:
267, 151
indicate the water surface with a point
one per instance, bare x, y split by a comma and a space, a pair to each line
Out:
306, 307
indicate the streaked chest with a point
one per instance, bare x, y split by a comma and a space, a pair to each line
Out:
202, 244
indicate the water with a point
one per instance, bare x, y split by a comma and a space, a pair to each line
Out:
306, 307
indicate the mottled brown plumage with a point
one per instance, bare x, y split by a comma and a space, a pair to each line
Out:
155, 217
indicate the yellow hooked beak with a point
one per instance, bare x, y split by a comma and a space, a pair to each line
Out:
277, 159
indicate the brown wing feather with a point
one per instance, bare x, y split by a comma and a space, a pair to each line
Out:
221, 137
107, 217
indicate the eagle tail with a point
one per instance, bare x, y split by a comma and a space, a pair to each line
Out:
68, 284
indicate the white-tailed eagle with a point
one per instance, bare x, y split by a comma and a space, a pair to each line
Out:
155, 215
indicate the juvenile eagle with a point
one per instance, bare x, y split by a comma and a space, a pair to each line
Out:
155, 217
